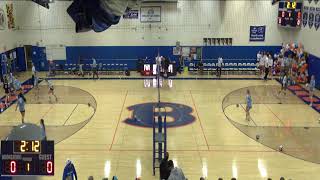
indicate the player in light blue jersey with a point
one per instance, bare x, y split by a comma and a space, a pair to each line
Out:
312, 86
248, 105
21, 101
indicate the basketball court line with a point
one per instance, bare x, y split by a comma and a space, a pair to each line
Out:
186, 150
47, 111
195, 107
115, 132
275, 115
70, 114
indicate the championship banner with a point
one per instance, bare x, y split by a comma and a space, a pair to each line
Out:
305, 16
317, 19
150, 14
131, 14
257, 33
312, 11
10, 17
2, 20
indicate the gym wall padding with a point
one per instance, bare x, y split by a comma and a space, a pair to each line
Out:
129, 54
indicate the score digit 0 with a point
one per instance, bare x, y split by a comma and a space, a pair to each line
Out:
13, 167
49, 167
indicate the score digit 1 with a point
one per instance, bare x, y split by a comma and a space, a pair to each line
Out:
49, 167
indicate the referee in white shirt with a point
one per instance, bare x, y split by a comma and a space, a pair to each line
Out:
266, 68
219, 66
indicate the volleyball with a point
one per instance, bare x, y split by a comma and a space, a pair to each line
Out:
280, 148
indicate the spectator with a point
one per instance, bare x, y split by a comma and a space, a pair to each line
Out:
164, 169
219, 66
90, 178
202, 178
69, 172
233, 179
176, 173
33, 72
282, 178
220, 179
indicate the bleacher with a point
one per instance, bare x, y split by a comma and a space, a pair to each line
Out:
230, 66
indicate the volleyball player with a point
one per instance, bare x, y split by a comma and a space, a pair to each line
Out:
51, 90
284, 85
21, 101
312, 86
248, 105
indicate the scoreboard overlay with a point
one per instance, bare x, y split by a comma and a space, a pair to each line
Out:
290, 13
27, 158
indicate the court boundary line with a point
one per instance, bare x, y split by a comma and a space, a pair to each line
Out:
275, 115
115, 132
196, 110
70, 114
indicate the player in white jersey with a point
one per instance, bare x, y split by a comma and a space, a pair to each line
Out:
51, 90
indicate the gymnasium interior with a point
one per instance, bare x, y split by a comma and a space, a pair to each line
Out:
159, 89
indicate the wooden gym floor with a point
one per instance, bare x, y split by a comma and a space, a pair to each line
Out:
210, 146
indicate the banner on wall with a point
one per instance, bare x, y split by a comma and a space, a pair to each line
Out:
2, 20
131, 14
10, 17
150, 14
312, 11
257, 33
305, 16
317, 19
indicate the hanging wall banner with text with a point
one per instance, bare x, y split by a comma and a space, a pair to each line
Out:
257, 33
150, 14
305, 16
2, 19
131, 14
312, 11
317, 19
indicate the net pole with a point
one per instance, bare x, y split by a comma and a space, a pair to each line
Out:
158, 78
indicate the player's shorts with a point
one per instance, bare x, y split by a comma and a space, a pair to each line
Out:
311, 89
285, 86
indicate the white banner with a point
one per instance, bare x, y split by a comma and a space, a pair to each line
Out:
150, 14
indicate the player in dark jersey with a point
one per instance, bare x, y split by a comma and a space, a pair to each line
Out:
6, 91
